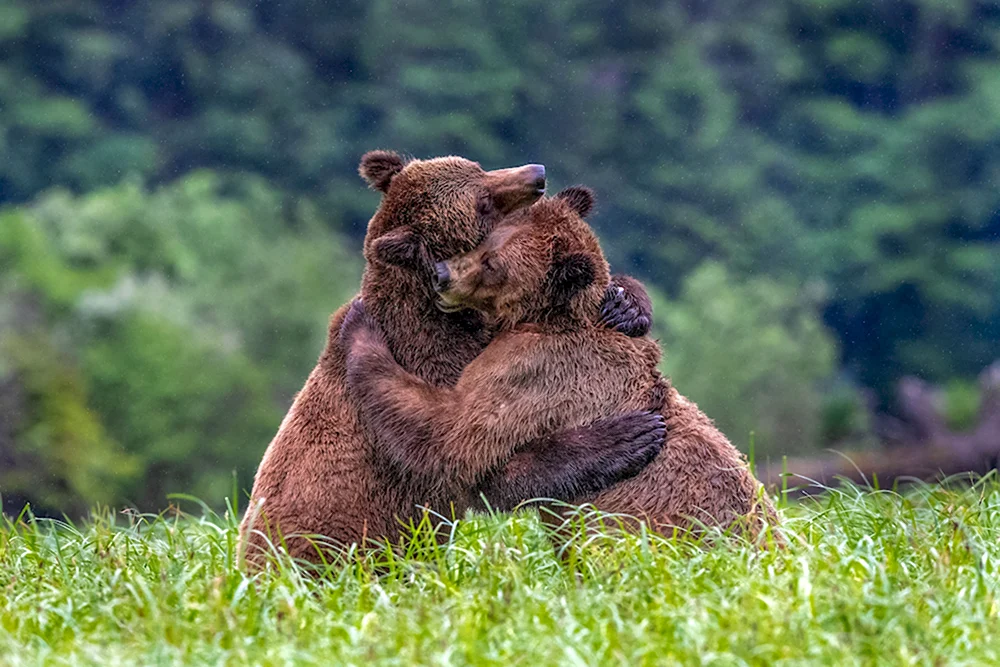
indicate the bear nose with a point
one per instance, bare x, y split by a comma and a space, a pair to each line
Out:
537, 173
441, 277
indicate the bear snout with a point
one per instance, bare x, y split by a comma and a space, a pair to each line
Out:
516, 187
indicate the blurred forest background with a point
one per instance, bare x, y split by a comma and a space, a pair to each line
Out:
809, 187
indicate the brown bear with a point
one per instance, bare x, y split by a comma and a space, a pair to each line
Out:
538, 278
319, 478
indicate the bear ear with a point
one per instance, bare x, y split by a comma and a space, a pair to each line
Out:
378, 168
570, 274
580, 198
400, 247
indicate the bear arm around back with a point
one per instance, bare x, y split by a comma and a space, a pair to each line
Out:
575, 464
432, 432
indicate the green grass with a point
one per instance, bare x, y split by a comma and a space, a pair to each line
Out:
869, 577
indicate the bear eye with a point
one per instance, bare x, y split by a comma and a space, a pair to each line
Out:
491, 271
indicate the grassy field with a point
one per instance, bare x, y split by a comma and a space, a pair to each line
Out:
870, 577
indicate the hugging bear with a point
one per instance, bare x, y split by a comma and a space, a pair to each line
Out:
538, 279
321, 478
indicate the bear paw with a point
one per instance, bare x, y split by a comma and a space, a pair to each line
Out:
632, 440
626, 307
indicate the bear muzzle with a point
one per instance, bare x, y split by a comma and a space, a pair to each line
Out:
516, 187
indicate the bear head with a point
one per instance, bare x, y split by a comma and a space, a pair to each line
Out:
437, 208
539, 265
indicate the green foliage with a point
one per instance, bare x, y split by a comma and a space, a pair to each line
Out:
32, 264
843, 145
231, 257
869, 578
157, 336
961, 404
752, 355
59, 455
192, 412
845, 142
845, 418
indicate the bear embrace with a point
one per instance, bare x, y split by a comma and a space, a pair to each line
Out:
326, 481
538, 279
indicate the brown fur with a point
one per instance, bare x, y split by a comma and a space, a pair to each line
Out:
540, 277
318, 476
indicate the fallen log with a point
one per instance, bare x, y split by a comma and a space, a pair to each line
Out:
932, 451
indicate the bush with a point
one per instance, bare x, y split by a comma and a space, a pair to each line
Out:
177, 324
55, 452
752, 354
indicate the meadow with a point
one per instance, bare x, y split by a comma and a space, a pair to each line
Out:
869, 577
